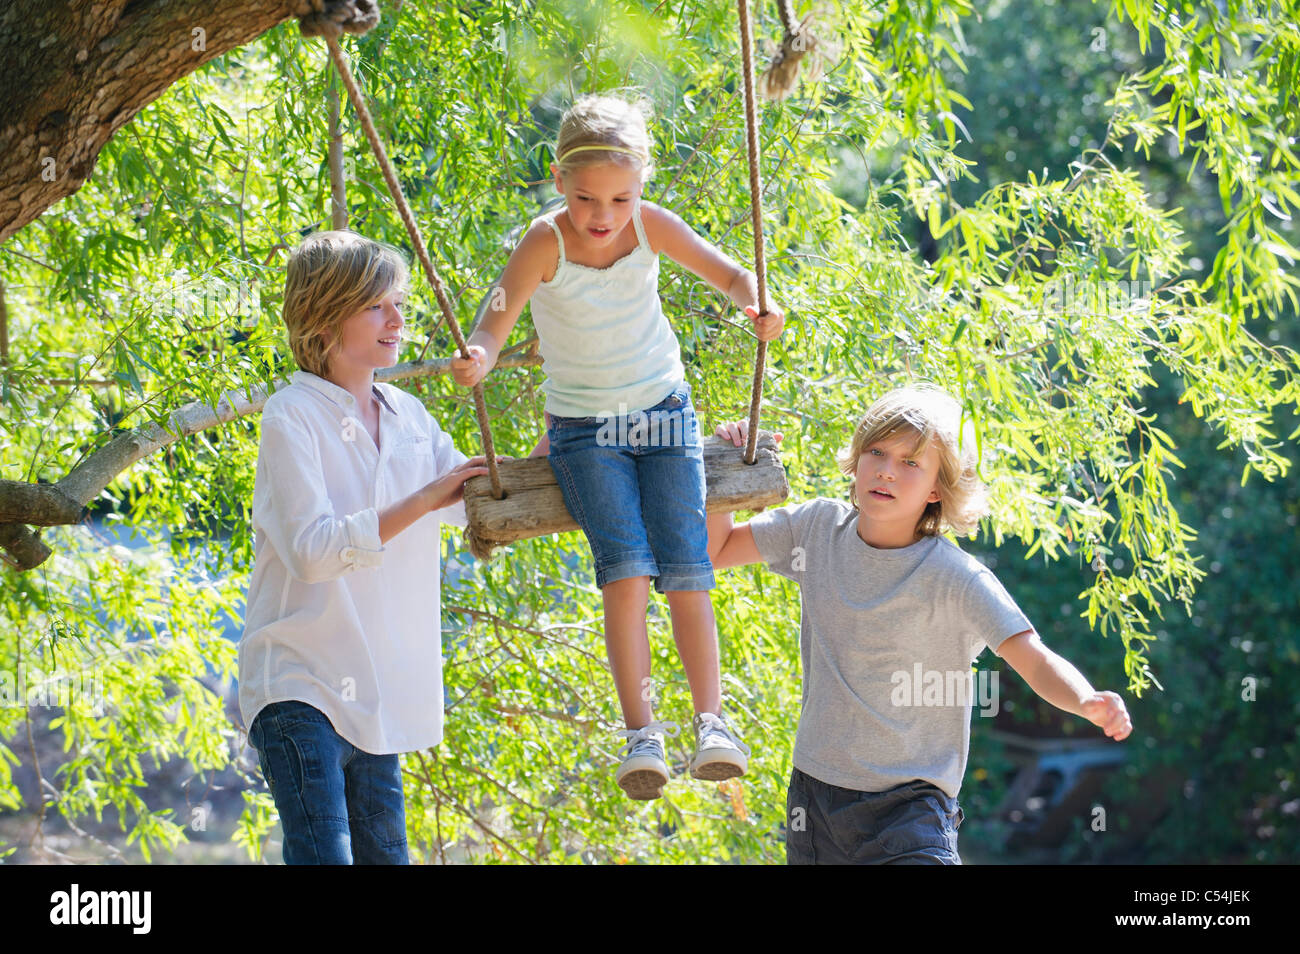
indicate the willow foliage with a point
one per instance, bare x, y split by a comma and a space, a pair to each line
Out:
1045, 305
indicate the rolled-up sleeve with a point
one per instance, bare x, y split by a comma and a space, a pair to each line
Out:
295, 510
364, 547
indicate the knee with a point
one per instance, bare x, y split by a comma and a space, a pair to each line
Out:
688, 599
316, 841
627, 590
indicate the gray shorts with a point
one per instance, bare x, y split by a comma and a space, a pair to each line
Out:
911, 824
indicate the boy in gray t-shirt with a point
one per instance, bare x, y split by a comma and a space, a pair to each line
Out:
893, 617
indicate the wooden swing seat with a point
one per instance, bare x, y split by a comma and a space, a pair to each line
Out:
533, 505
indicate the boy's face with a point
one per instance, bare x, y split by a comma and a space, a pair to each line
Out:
601, 198
370, 338
893, 484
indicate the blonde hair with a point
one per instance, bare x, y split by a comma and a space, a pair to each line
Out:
598, 129
935, 418
330, 277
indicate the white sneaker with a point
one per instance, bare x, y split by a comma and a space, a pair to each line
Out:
644, 772
718, 753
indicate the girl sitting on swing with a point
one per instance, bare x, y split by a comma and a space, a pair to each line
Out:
612, 362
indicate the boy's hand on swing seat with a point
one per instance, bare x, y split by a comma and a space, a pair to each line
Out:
767, 327
738, 432
450, 487
468, 372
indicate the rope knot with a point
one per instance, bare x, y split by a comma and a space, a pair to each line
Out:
481, 548
778, 80
332, 18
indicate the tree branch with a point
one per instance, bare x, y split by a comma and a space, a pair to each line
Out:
74, 73
63, 502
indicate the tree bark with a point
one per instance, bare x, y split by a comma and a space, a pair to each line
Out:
73, 72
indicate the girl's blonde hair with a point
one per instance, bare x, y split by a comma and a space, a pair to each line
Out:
330, 277
934, 417
599, 129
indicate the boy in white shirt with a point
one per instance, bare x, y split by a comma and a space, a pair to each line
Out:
340, 665
878, 760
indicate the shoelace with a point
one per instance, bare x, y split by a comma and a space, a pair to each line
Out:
636, 737
715, 723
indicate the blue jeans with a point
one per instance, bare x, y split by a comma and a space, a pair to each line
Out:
910, 824
634, 482
338, 805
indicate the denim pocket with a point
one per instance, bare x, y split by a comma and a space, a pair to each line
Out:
386, 826
292, 731
265, 764
304, 759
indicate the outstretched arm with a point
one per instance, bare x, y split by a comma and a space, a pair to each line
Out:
1056, 680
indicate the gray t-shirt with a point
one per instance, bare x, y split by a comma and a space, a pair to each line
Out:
887, 639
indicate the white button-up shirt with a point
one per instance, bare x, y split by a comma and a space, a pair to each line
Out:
335, 618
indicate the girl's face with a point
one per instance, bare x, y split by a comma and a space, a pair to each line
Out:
370, 338
601, 198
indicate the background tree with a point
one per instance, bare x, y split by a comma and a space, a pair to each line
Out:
121, 308
1215, 769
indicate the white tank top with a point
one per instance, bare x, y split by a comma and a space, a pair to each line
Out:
606, 346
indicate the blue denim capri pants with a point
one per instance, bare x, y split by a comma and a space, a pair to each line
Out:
634, 482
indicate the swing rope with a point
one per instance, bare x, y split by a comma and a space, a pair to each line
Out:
756, 210
408, 220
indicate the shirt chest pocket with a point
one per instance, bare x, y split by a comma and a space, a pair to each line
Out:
409, 447
408, 467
